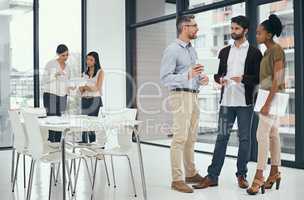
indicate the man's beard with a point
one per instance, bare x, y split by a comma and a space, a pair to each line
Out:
192, 37
237, 36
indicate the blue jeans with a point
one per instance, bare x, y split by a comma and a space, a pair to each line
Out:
90, 106
227, 117
54, 105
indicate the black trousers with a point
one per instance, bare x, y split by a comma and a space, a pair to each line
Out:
54, 105
90, 106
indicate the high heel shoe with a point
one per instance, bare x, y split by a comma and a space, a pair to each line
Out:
256, 186
273, 179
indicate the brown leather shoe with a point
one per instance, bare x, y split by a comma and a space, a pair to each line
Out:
194, 179
181, 186
206, 182
243, 183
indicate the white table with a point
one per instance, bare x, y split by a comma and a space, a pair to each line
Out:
88, 123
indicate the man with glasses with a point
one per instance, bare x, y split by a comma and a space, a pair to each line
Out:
183, 77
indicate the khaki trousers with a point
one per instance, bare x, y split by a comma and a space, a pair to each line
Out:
185, 110
268, 140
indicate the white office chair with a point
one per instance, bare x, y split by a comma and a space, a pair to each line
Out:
20, 145
38, 111
120, 144
88, 150
36, 149
41, 112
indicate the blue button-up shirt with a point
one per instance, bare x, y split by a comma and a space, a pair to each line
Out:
178, 59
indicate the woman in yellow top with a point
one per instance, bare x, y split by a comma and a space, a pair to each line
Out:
272, 79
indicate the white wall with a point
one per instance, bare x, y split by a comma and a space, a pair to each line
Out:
106, 35
5, 136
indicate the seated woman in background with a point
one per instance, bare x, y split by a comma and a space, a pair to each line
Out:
55, 90
91, 92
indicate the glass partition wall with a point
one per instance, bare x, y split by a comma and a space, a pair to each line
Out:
16, 61
61, 27
25, 48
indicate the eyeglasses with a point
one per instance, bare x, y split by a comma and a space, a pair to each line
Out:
191, 25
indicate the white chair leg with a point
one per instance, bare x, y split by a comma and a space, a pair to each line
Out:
94, 178
88, 171
106, 169
51, 178
132, 176
13, 165
70, 169
54, 174
76, 177
30, 183
113, 173
24, 171
16, 172
74, 160
92, 165
74, 167
57, 175
69, 177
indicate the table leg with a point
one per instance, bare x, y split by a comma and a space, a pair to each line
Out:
13, 165
63, 164
142, 172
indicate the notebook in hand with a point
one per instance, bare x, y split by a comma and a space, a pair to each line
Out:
278, 104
